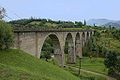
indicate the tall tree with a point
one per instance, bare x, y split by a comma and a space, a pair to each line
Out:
6, 35
84, 23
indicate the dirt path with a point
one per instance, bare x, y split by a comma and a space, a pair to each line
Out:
102, 75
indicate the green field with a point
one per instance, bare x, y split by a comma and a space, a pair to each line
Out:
84, 75
94, 65
17, 65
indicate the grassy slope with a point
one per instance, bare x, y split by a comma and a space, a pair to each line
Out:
17, 65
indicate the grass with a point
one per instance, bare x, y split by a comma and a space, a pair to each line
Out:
72, 28
88, 76
84, 75
94, 65
17, 65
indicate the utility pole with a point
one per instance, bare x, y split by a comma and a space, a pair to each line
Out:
79, 66
80, 60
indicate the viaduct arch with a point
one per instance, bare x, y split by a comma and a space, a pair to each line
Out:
32, 42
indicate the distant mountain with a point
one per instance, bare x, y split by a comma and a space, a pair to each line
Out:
98, 22
113, 24
104, 22
118, 22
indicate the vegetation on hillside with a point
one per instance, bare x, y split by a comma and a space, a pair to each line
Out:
105, 44
33, 23
18, 65
6, 35
112, 62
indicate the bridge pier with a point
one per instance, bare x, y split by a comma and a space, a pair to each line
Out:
57, 51
71, 56
79, 45
71, 48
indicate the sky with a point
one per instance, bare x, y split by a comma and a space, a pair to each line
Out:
69, 10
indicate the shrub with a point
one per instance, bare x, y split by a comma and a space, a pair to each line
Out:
6, 35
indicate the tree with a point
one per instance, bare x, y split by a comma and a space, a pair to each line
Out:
117, 68
47, 50
78, 24
6, 35
84, 22
110, 61
2, 12
96, 34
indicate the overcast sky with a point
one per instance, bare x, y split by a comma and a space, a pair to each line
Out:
63, 9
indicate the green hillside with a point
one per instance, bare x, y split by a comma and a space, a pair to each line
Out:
17, 65
108, 41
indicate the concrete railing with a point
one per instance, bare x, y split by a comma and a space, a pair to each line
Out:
51, 30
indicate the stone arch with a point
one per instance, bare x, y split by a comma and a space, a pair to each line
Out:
56, 45
78, 45
70, 42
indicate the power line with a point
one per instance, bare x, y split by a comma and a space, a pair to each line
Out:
17, 15
8, 17
12, 13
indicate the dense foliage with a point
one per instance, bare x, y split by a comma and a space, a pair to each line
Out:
6, 35
45, 23
112, 63
116, 34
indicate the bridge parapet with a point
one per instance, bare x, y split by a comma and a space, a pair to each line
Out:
52, 30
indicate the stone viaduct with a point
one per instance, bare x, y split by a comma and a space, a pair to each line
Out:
31, 41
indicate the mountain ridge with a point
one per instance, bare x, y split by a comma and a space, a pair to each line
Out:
104, 22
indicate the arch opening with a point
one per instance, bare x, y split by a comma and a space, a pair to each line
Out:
51, 50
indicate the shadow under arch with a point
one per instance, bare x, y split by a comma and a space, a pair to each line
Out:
69, 49
56, 48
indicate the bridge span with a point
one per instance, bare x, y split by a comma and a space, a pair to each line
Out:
31, 41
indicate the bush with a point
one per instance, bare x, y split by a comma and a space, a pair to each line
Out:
6, 35
112, 62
